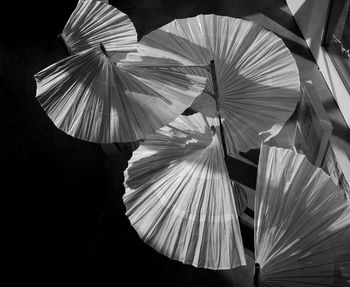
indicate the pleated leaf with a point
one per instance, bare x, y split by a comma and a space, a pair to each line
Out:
95, 22
258, 80
302, 223
179, 197
88, 97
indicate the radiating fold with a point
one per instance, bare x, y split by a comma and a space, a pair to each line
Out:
258, 80
87, 96
95, 22
179, 197
302, 223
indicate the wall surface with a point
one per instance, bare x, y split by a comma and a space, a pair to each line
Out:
311, 17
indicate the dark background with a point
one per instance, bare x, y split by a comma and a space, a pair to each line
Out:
62, 196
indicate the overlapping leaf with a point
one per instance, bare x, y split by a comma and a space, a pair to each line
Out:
87, 96
179, 196
302, 223
258, 81
95, 22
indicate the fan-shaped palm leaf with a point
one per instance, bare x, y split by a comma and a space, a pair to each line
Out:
87, 96
302, 223
95, 22
256, 76
179, 196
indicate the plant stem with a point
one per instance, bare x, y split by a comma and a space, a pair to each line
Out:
216, 97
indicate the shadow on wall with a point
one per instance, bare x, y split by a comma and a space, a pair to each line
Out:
340, 129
